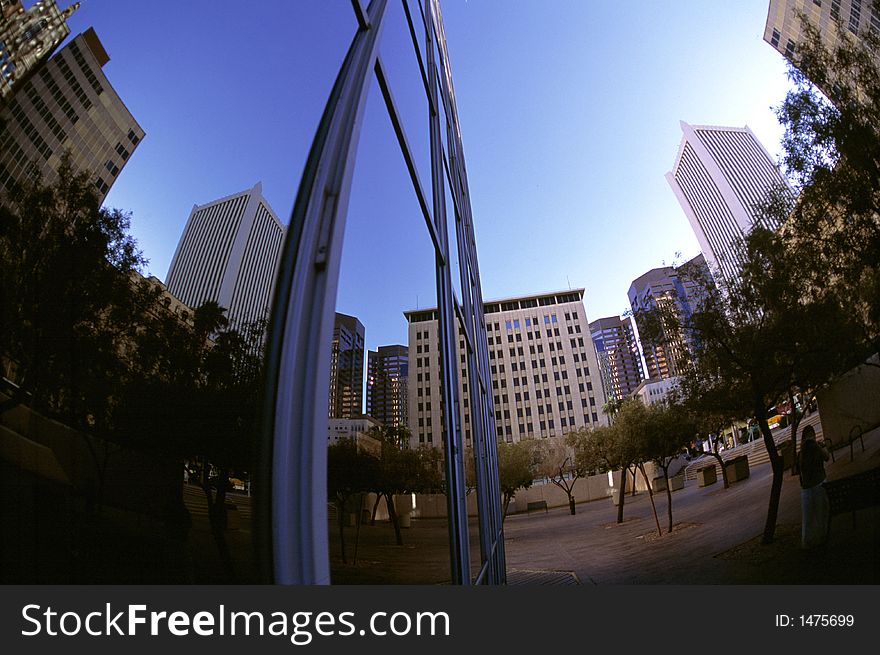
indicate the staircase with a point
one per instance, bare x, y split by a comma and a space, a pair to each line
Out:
754, 450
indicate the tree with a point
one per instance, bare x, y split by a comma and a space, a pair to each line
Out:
66, 306
669, 429
402, 470
517, 466
831, 154
558, 463
599, 449
194, 393
350, 473
632, 431
759, 335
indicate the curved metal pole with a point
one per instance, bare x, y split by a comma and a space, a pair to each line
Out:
292, 529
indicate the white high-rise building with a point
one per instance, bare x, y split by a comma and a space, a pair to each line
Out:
545, 375
721, 176
229, 253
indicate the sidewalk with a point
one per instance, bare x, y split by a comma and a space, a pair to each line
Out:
716, 540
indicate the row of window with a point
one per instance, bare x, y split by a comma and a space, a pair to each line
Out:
47, 116
60, 99
549, 424
31, 131
86, 69
74, 84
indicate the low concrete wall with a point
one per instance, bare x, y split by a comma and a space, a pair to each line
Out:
851, 400
133, 480
430, 506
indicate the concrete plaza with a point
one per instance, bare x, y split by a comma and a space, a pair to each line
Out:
715, 540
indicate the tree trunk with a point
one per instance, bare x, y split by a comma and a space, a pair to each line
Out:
668, 496
507, 499
392, 514
624, 472
723, 470
776, 464
375, 508
641, 467
357, 533
634, 471
567, 488
340, 519
795, 422
217, 517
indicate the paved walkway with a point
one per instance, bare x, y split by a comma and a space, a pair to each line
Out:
716, 540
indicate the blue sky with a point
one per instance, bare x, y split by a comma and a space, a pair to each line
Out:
569, 114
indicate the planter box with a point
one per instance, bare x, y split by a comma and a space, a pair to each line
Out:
707, 475
787, 453
737, 468
677, 481
233, 521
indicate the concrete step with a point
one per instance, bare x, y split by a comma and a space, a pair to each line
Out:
754, 450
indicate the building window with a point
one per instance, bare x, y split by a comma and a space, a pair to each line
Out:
855, 16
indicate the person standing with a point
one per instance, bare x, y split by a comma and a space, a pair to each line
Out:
814, 498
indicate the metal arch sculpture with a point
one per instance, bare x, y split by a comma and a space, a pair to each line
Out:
291, 529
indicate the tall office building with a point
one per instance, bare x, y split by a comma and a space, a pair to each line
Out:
831, 17
721, 176
347, 368
669, 289
545, 376
67, 106
387, 384
27, 39
618, 354
229, 254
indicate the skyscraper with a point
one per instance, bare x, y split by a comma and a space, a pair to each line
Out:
229, 253
720, 177
831, 17
67, 106
28, 38
618, 355
670, 289
347, 368
387, 384
545, 376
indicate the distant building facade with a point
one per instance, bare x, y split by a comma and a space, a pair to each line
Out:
720, 178
669, 289
617, 351
229, 254
68, 105
387, 385
651, 392
28, 37
545, 374
347, 368
355, 429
